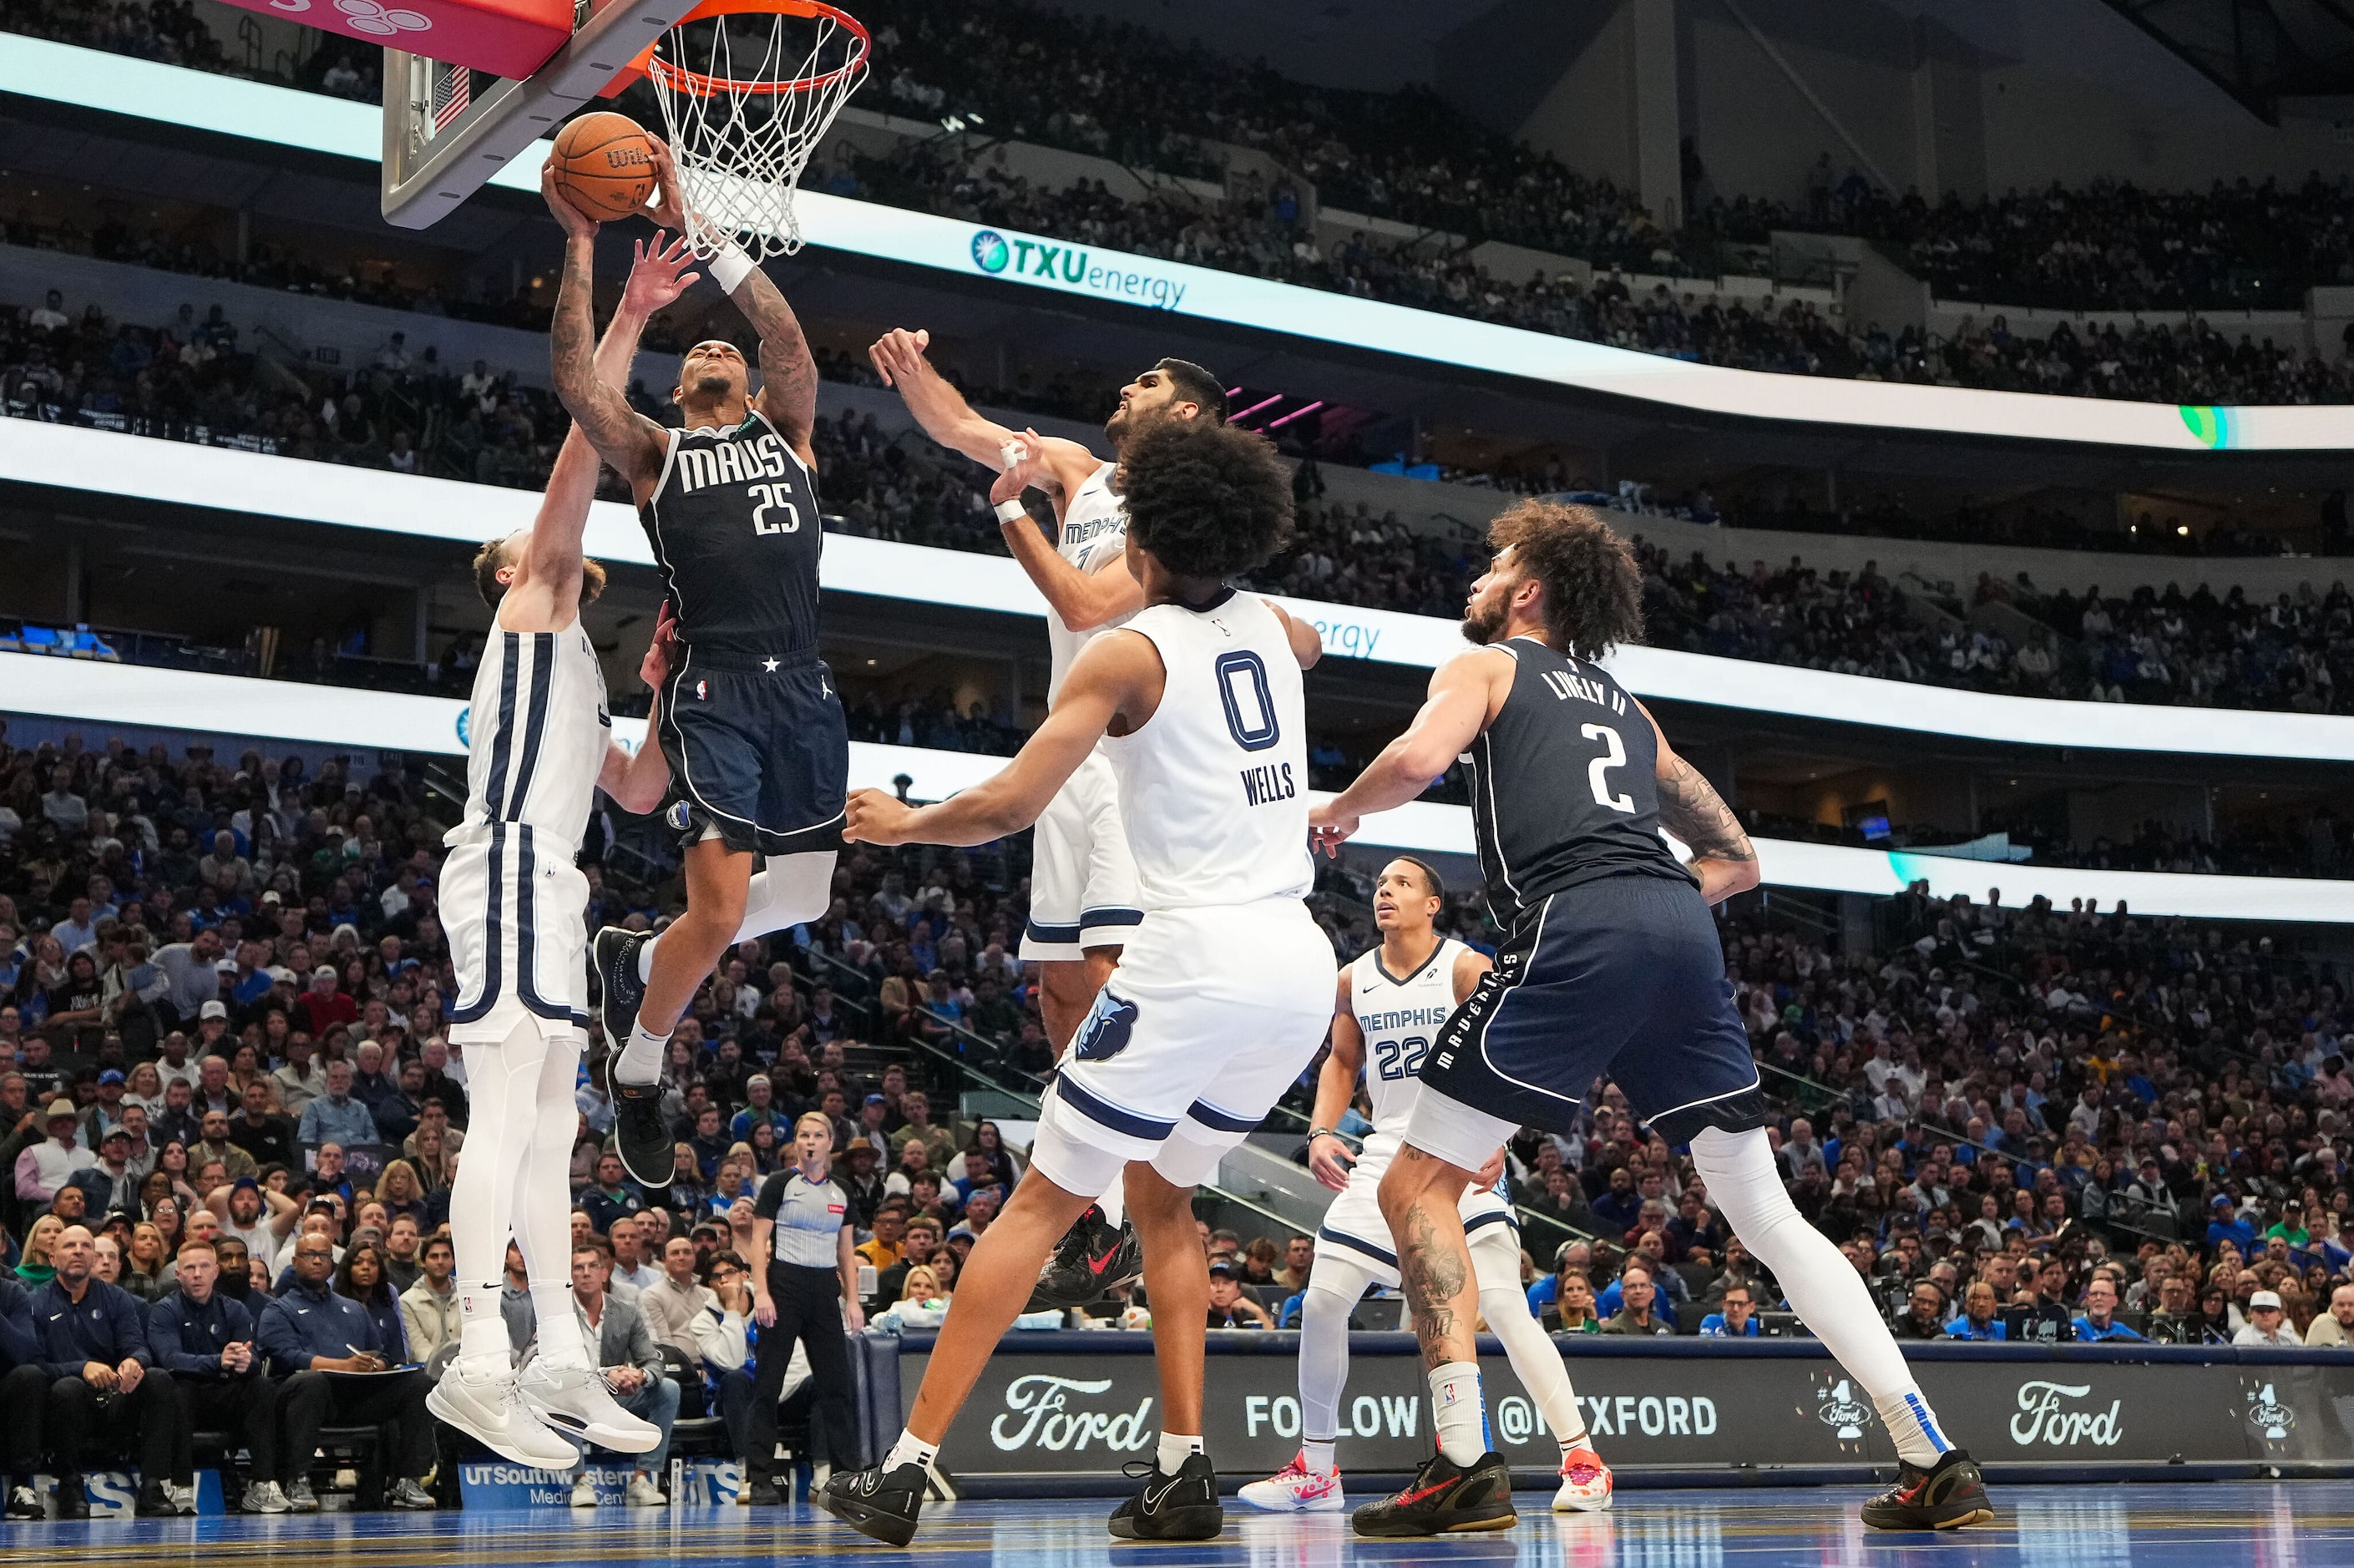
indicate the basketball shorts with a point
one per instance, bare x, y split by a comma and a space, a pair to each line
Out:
1354, 1233
758, 757
1213, 1016
514, 909
1082, 881
1622, 977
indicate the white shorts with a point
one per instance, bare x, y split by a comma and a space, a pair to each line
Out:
1082, 881
1354, 1233
524, 952
1213, 1014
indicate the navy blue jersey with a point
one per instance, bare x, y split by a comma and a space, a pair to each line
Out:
734, 524
1563, 786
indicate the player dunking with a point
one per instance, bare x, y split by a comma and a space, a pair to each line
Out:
758, 751
1224, 987
1612, 965
1391, 1004
512, 903
1083, 900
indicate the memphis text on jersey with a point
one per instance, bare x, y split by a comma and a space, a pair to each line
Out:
738, 462
1399, 1018
1266, 783
1080, 531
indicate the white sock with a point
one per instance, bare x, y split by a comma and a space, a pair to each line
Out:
1320, 1455
560, 1344
1822, 1286
1536, 1361
910, 1449
646, 961
1113, 1205
1175, 1451
1462, 1412
641, 1058
482, 1343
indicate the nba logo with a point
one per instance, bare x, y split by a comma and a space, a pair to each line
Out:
703, 691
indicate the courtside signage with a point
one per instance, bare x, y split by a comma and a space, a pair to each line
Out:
176, 95
131, 695
73, 457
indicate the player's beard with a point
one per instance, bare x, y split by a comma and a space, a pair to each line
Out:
1482, 627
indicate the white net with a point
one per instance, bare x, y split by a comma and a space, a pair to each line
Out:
746, 97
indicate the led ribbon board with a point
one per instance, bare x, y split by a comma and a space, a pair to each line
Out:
133, 695
71, 457
174, 95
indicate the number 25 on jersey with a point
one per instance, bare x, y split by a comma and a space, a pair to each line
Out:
774, 497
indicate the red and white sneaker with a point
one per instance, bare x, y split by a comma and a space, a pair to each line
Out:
1296, 1488
1584, 1482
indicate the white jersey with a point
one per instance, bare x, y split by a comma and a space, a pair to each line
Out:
1399, 1015
511, 899
1092, 535
1214, 787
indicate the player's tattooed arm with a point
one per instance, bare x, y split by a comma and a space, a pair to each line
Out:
787, 369
1722, 857
624, 438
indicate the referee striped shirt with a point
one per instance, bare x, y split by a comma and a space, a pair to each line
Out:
809, 1217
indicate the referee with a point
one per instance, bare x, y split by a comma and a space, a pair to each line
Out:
802, 1225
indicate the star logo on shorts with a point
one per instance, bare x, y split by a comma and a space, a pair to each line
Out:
771, 666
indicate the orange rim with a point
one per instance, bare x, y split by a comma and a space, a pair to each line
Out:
679, 79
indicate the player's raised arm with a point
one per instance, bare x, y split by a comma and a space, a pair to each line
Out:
1336, 1084
1119, 676
658, 276
1722, 857
624, 438
638, 783
1465, 694
948, 418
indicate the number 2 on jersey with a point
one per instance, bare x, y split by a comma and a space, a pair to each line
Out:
770, 495
1387, 1054
1614, 754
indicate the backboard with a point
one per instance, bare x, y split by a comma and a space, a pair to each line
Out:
446, 133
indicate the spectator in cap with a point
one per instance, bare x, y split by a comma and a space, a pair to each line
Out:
873, 1111
322, 1007
2224, 1224
110, 1185
106, 1110
1230, 1307
860, 1179
50, 1164
760, 1106
2267, 1322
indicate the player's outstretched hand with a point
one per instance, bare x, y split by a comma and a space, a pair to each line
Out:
1025, 467
1328, 1161
668, 210
1328, 828
578, 224
654, 668
876, 817
899, 352
658, 274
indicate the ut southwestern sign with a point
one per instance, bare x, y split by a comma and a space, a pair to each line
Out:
1071, 268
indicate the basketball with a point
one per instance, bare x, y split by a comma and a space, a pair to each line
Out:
604, 165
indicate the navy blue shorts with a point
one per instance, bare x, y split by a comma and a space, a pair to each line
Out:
760, 758
1620, 978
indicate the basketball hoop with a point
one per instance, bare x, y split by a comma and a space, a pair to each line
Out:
744, 105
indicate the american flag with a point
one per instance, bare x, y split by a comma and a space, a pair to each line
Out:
452, 87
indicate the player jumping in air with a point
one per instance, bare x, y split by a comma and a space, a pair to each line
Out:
1083, 899
1391, 1004
1223, 989
759, 751
511, 901
1610, 964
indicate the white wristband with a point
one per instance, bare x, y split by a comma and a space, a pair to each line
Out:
730, 267
1010, 511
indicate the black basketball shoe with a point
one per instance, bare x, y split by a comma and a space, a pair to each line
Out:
880, 1504
1443, 1499
1183, 1507
648, 1152
1948, 1495
614, 953
1093, 1259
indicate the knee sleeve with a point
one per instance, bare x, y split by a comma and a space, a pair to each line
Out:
786, 891
1324, 1347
